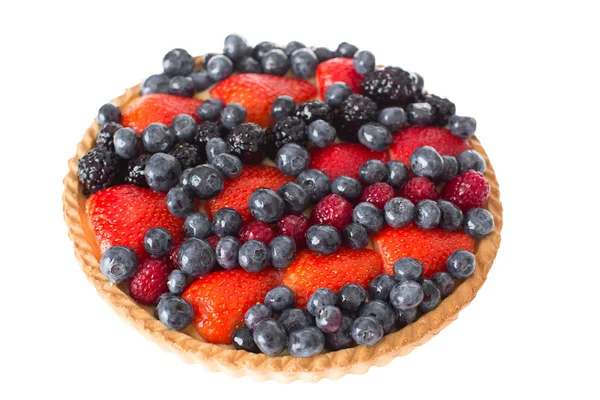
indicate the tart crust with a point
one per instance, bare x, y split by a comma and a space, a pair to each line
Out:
193, 349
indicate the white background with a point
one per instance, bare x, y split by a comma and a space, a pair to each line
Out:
527, 71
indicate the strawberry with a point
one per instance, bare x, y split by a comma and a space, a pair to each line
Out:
236, 192
467, 191
343, 159
121, 215
338, 70
256, 92
310, 271
221, 299
333, 210
431, 247
162, 108
409, 139
150, 281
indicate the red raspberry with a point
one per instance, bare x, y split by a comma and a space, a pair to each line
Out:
173, 257
294, 226
150, 281
333, 210
467, 191
213, 240
378, 194
257, 230
419, 188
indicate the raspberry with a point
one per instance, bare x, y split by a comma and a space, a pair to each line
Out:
213, 240
333, 210
467, 191
150, 281
294, 226
378, 194
257, 230
419, 188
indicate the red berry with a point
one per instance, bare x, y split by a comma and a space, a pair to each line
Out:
150, 281
378, 194
213, 240
467, 191
257, 230
333, 210
173, 257
294, 226
419, 188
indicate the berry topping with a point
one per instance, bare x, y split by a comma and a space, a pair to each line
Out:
248, 65
333, 210
343, 159
342, 339
248, 141
282, 251
293, 319
265, 205
257, 230
382, 312
390, 86
392, 118
236, 47
280, 299
418, 189
210, 110
243, 340
283, 106
216, 146
431, 296
118, 263
275, 62
294, 226
381, 286
444, 282
442, 109
206, 181
329, 319
451, 217
255, 314
313, 110
375, 136
150, 281
461, 264
176, 281
306, 342
408, 269
304, 63
406, 295
219, 67
99, 169
324, 54
368, 215
202, 80
323, 239
158, 83
320, 299
287, 130
462, 127
158, 242
229, 165
270, 338
338, 70
354, 112
232, 115
316, 184
364, 61
468, 159
104, 137
346, 187
420, 114
467, 191
478, 222
398, 212
188, 155
336, 94
427, 162
158, 138
162, 172
196, 257
373, 171
227, 222
108, 113
292, 159
293, 46
321, 133
178, 62
366, 331
346, 50
253, 256
127, 143
378, 194
356, 236
227, 251
450, 168
152, 108
182, 86
427, 214
295, 198
263, 48
410, 139
175, 313
351, 297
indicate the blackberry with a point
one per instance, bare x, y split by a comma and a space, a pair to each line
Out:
391, 86
135, 170
99, 169
355, 111
249, 142
189, 155
288, 130
104, 137
442, 109
207, 130
313, 110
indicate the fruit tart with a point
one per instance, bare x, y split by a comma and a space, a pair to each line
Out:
284, 212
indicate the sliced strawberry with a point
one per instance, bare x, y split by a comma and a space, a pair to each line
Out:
162, 108
338, 70
343, 159
410, 139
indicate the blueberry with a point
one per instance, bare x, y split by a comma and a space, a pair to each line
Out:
427, 214
229, 165
270, 337
177, 281
263, 48
324, 54
347, 187
406, 317
408, 269
444, 282
248, 65
368, 215
306, 342
219, 67
431, 296
364, 61
392, 118
478, 222
162, 172
419, 114
196, 257
158, 138
158, 83
179, 202
319, 299
461, 264
178, 62
406, 295
127, 143
315, 183
253, 256
329, 319
197, 225
294, 318
227, 222
323, 239
397, 174
321, 133
185, 127
201, 80
295, 198
373, 171
242, 339
342, 339
346, 50
108, 113
451, 216
292, 159
427, 162
382, 312
450, 168
232, 115
375, 136
206, 181
255, 314
184, 179
275, 62
351, 297
182, 86
280, 299
227, 251
293, 46
206, 58
236, 47
336, 94
118, 263
417, 83
381, 286
462, 127
282, 250
398, 212
266, 205
210, 109
304, 63
175, 313
216, 146
283, 106
470, 159
356, 236
366, 331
